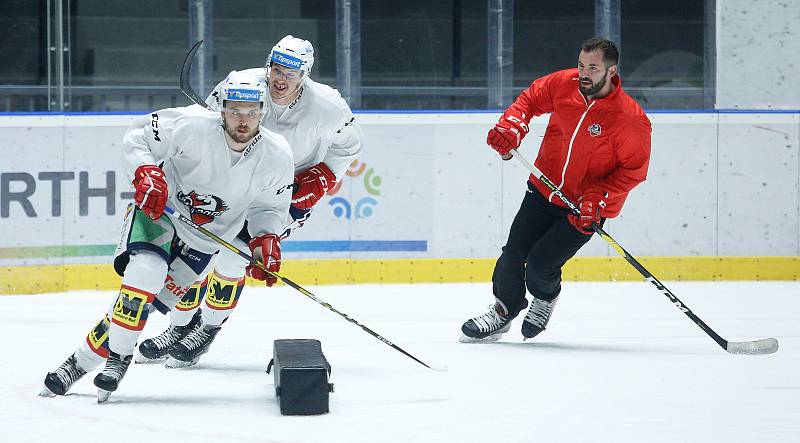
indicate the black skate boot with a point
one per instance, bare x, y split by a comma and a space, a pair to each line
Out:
108, 380
187, 352
59, 381
486, 328
155, 350
537, 317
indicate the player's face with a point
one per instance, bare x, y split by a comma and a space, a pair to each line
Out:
283, 81
241, 119
593, 74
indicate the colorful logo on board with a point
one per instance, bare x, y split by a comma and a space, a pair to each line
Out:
364, 206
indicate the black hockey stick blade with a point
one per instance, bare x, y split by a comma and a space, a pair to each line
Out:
185, 85
756, 347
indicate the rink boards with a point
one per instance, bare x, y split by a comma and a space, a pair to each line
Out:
428, 201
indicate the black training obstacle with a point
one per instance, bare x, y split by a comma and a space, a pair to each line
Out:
301, 374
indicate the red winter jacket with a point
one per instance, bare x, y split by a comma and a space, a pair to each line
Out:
590, 146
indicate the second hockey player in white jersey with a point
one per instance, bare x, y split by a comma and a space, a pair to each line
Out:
219, 169
324, 138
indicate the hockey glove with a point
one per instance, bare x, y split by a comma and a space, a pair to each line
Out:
266, 249
590, 207
150, 190
311, 185
507, 134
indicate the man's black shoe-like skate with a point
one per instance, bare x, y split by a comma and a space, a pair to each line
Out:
537, 317
59, 381
108, 380
486, 328
155, 349
187, 352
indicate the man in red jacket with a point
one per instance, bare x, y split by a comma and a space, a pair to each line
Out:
596, 149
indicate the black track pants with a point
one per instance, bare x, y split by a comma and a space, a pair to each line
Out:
540, 241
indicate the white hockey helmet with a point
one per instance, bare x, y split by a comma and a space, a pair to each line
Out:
241, 86
294, 53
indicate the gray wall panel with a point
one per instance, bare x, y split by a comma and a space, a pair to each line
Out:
758, 170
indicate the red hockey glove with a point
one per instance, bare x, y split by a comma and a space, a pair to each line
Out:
311, 185
507, 134
266, 249
150, 190
590, 206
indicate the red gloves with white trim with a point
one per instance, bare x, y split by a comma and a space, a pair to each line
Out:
507, 134
150, 190
266, 249
311, 185
590, 205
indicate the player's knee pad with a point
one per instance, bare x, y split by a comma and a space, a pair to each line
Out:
131, 308
222, 292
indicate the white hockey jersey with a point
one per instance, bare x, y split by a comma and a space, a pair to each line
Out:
318, 125
189, 145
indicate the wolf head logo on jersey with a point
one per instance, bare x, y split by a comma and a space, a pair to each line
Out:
202, 207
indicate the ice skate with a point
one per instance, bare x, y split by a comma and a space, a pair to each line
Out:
108, 380
537, 317
486, 328
59, 381
155, 349
187, 352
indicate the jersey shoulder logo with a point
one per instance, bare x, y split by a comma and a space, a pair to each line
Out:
595, 129
202, 207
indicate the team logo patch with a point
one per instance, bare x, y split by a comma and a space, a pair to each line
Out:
595, 129
202, 207
130, 309
222, 293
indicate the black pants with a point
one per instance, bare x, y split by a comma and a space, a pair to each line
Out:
541, 240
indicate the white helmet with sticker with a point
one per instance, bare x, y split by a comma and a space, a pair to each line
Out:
293, 53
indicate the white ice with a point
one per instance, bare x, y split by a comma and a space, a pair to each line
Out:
618, 363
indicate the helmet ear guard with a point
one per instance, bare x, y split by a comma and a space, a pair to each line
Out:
293, 53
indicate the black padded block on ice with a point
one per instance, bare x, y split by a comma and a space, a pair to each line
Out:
301, 374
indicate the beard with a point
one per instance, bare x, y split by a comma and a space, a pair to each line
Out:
237, 136
594, 88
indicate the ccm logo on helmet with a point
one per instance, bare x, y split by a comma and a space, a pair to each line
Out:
244, 95
286, 60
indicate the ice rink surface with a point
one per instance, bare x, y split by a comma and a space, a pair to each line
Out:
618, 363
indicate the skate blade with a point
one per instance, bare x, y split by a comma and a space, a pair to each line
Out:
142, 360
174, 363
103, 395
490, 339
46, 392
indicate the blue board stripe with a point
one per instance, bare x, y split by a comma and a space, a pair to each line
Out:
355, 246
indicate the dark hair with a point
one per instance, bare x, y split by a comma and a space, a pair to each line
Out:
610, 52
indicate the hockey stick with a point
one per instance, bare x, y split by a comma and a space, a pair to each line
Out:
764, 346
180, 217
185, 85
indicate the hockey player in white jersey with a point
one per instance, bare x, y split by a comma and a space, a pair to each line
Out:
321, 130
218, 168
